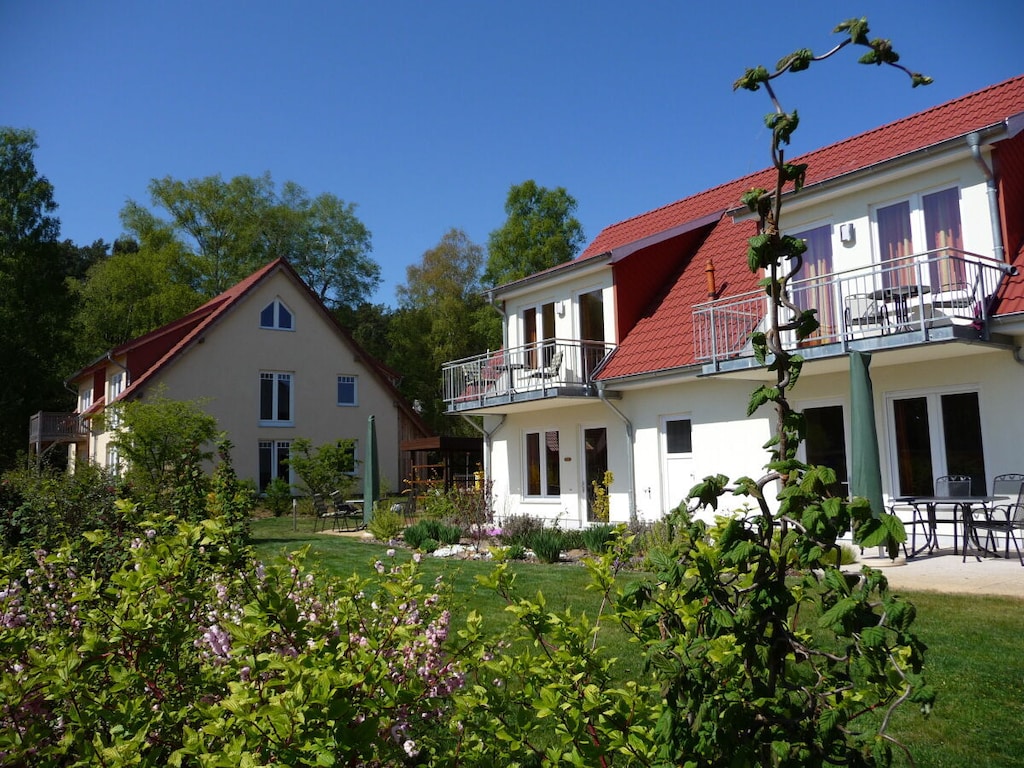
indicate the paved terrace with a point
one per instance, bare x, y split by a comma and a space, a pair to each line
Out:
943, 571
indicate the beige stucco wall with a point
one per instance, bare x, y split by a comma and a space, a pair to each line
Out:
223, 369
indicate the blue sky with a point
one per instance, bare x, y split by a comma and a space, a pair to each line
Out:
423, 114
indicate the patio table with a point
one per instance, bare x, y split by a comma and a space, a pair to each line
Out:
931, 519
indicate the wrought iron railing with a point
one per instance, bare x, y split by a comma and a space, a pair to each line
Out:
545, 368
912, 293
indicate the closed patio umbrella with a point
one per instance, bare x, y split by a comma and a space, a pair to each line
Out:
371, 471
865, 467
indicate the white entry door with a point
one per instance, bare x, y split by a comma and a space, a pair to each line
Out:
677, 465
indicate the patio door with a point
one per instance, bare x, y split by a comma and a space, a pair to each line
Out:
896, 244
825, 443
539, 334
812, 289
935, 434
591, 330
595, 464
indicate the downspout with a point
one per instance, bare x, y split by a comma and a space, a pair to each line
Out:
487, 440
500, 309
127, 373
998, 251
631, 475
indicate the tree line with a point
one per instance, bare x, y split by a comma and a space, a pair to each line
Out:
63, 304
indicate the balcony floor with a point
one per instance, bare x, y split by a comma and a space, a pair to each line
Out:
500, 400
933, 339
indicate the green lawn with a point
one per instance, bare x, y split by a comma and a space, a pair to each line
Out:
975, 656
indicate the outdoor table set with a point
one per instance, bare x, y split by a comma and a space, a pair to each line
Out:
1001, 512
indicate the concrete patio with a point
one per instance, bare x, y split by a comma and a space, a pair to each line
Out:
943, 571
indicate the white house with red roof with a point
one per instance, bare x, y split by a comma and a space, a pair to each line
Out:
634, 357
268, 361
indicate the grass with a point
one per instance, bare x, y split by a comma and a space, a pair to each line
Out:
974, 659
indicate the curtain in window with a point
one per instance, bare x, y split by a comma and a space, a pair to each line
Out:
942, 226
812, 290
896, 244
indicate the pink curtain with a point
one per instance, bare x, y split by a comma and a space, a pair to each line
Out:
817, 294
942, 225
896, 244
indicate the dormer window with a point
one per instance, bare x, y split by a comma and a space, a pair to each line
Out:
276, 316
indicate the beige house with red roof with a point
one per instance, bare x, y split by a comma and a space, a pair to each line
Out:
268, 360
634, 357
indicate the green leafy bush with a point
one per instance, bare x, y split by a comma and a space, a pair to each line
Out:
278, 496
182, 658
596, 537
385, 525
519, 529
547, 544
416, 535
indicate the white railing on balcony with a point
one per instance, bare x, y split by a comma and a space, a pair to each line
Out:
546, 368
914, 293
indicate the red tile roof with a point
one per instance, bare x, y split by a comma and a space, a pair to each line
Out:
662, 339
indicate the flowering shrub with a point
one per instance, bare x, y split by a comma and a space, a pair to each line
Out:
180, 658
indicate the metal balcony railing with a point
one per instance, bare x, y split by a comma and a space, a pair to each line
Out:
549, 368
913, 293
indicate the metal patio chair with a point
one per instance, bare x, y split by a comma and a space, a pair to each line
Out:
865, 312
1007, 518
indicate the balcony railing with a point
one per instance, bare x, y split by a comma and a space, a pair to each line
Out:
50, 427
913, 294
550, 368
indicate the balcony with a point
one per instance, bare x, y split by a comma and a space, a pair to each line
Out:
47, 428
942, 295
553, 368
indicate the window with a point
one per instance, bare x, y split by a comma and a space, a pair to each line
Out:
113, 460
276, 393
276, 316
935, 434
539, 332
273, 461
542, 464
85, 400
825, 442
924, 223
115, 387
348, 390
810, 291
678, 436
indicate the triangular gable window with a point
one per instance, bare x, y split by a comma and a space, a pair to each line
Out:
277, 316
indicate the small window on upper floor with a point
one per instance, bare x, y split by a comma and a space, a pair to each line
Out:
348, 392
277, 316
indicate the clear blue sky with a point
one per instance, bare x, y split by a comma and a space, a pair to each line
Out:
424, 113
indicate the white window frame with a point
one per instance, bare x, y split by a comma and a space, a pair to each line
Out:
115, 386
664, 454
918, 233
275, 325
354, 380
277, 377
933, 396
275, 446
85, 400
545, 494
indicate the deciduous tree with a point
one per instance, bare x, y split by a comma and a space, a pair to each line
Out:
442, 316
541, 231
228, 229
34, 303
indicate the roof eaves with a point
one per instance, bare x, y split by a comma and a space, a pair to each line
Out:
740, 213
621, 252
